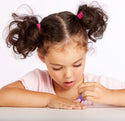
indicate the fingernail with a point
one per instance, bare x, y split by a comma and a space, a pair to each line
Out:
69, 108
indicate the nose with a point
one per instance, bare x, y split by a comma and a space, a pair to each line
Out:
68, 73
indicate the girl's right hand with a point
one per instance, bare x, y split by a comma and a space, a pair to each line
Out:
63, 103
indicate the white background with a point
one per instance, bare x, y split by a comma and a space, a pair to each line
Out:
107, 59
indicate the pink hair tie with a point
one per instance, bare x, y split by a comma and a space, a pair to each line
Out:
38, 26
80, 15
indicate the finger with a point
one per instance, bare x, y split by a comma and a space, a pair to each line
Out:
90, 88
67, 107
71, 105
62, 106
90, 98
88, 93
77, 106
86, 84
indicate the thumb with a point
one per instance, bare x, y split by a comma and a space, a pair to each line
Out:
80, 90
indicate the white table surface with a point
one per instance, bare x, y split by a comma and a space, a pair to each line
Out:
46, 114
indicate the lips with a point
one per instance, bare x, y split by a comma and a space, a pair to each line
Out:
69, 84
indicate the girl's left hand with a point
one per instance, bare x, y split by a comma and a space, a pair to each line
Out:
95, 92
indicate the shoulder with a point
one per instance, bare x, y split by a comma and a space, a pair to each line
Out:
36, 73
106, 81
35, 79
89, 77
43, 81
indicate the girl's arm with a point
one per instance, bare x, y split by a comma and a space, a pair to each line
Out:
15, 95
117, 97
95, 92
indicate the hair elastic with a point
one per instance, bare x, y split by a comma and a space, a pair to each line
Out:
38, 26
80, 15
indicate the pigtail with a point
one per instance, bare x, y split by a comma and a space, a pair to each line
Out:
23, 34
94, 21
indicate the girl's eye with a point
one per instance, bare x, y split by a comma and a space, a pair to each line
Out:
77, 65
57, 69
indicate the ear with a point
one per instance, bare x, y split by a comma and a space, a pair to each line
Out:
40, 56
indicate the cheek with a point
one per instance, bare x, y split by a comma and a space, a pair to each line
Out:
55, 74
79, 72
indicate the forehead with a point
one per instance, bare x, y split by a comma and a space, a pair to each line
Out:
70, 53
75, 42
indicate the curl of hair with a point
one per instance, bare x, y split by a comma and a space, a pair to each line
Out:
94, 21
23, 34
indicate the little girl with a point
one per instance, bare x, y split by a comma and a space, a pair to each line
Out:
61, 41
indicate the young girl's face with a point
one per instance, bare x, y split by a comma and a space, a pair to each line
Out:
66, 65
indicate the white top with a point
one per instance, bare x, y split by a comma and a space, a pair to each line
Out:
41, 81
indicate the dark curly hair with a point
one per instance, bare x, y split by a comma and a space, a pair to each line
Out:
25, 37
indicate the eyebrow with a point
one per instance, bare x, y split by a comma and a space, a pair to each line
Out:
62, 65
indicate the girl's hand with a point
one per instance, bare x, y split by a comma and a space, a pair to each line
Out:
95, 92
63, 103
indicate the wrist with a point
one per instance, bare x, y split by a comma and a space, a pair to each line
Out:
117, 97
49, 98
45, 97
111, 99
